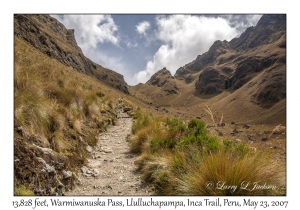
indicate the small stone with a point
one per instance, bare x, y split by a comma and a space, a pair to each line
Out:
89, 172
20, 129
250, 137
67, 174
264, 139
89, 149
60, 185
79, 182
107, 151
46, 151
247, 126
96, 173
121, 178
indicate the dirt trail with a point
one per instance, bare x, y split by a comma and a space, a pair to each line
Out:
111, 169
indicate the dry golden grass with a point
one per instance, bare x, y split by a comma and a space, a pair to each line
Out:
223, 173
57, 107
49, 94
208, 110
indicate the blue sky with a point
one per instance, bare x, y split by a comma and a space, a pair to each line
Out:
138, 45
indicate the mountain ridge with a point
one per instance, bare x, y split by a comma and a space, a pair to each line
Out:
51, 37
250, 69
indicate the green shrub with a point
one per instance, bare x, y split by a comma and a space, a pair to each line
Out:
197, 127
141, 122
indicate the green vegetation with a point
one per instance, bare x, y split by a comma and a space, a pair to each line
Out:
21, 190
179, 158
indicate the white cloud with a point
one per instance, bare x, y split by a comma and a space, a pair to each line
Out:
91, 29
184, 37
242, 22
130, 44
142, 27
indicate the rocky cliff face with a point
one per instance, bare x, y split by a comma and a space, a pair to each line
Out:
259, 54
51, 37
165, 81
215, 51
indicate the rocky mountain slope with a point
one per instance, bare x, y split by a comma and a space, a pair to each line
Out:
51, 37
249, 70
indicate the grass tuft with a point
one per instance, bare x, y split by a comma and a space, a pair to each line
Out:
180, 159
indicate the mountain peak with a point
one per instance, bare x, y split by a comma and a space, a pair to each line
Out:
160, 77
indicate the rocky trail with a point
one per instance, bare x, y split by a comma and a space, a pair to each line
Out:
111, 170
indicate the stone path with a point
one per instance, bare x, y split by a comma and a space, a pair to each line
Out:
111, 169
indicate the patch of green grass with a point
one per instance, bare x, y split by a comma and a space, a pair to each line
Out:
22, 190
100, 94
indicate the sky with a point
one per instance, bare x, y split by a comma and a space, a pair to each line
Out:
138, 45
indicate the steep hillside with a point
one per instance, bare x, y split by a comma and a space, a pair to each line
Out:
51, 37
247, 73
62, 100
58, 113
